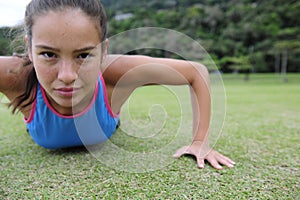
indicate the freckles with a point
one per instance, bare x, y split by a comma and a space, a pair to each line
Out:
45, 73
87, 74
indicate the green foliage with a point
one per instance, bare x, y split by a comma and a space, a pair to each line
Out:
4, 41
258, 29
258, 62
10, 41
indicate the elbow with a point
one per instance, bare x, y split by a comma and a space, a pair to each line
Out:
201, 72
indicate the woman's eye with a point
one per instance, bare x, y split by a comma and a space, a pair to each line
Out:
48, 55
84, 56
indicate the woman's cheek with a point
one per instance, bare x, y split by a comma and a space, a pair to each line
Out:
45, 74
89, 73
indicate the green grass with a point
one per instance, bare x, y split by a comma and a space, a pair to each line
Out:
261, 133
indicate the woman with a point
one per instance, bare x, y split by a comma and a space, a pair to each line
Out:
67, 76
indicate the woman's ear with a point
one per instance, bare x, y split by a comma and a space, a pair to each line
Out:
104, 49
28, 45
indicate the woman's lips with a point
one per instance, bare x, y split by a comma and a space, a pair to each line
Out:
67, 92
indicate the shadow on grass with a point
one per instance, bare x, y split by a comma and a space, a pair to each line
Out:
71, 150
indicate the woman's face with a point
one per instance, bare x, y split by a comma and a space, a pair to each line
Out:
66, 53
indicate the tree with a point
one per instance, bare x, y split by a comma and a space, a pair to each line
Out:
239, 64
284, 47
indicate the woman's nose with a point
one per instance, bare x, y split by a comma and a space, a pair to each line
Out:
67, 72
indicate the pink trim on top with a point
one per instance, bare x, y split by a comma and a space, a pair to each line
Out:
108, 107
71, 116
33, 108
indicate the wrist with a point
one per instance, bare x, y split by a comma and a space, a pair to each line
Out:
200, 142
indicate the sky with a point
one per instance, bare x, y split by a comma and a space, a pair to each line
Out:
12, 12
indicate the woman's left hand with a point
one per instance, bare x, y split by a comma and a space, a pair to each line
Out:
203, 152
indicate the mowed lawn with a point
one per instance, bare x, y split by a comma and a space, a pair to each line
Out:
261, 134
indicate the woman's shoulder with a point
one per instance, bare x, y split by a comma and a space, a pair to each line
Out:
116, 66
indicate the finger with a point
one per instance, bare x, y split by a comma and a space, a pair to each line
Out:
181, 151
200, 163
223, 158
225, 161
214, 162
229, 160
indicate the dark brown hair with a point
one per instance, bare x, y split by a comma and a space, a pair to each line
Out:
92, 8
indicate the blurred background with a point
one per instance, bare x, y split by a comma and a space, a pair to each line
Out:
241, 36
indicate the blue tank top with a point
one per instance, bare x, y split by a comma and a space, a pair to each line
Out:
52, 130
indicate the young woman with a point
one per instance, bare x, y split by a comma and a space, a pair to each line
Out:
66, 76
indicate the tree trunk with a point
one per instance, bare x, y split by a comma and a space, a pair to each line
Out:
284, 65
277, 63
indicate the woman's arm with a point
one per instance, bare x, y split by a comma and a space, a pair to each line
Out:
13, 76
126, 73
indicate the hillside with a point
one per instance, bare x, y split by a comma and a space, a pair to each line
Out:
248, 35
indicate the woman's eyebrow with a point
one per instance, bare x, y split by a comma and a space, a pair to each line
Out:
89, 48
85, 49
46, 47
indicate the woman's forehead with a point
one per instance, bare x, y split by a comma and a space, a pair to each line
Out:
68, 27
